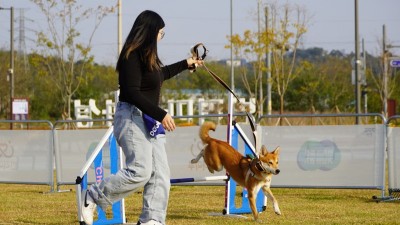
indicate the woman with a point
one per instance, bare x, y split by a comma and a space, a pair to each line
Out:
141, 75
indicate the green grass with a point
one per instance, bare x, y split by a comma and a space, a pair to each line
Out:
30, 204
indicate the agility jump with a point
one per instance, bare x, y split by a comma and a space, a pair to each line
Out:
118, 208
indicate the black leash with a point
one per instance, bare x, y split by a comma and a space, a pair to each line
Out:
196, 54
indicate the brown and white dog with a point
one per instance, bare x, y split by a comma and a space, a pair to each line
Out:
252, 174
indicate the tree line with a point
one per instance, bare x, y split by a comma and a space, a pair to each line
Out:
62, 69
323, 84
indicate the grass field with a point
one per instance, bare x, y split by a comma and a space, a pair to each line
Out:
30, 204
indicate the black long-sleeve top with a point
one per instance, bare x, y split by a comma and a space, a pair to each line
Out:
141, 87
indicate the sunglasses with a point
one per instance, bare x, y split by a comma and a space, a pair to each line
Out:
162, 33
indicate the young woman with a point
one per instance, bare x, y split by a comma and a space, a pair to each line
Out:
141, 75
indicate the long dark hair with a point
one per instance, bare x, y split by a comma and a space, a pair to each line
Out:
143, 38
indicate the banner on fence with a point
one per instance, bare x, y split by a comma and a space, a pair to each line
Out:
26, 156
348, 156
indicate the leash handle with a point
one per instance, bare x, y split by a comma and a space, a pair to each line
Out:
195, 54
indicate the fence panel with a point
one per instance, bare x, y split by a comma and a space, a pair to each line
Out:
393, 151
345, 156
183, 145
26, 156
72, 148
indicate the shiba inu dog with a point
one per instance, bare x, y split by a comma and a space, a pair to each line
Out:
252, 174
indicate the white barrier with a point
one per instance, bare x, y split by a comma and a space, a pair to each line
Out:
26, 156
84, 112
73, 148
183, 145
179, 108
207, 106
394, 157
393, 151
348, 156
341, 156
311, 156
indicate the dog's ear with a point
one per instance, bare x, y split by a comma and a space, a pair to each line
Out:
276, 151
264, 150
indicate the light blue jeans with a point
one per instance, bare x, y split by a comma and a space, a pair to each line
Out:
146, 166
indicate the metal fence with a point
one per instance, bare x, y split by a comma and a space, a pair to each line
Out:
393, 155
26, 156
315, 151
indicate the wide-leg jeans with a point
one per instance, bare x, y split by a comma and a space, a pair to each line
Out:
146, 166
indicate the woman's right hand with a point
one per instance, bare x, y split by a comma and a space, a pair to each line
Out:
168, 123
193, 62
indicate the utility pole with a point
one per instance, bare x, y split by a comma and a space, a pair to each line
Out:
364, 77
386, 47
357, 65
119, 26
11, 69
364, 91
21, 56
385, 73
260, 86
231, 48
268, 57
11, 57
230, 97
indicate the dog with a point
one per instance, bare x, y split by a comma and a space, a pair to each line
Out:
252, 174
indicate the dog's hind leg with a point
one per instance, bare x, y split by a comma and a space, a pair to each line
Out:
268, 193
198, 157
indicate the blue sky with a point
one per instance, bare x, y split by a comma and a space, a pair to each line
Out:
208, 21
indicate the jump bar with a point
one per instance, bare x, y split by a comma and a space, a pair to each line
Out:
192, 179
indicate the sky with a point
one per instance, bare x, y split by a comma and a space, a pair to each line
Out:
188, 22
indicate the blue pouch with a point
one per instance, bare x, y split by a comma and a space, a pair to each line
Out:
154, 127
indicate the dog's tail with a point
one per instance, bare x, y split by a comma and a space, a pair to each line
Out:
207, 126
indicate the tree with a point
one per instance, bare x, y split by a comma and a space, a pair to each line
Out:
376, 72
288, 24
249, 47
286, 37
60, 46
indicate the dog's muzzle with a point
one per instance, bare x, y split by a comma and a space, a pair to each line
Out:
260, 167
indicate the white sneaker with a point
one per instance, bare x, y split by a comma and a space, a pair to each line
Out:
88, 207
151, 222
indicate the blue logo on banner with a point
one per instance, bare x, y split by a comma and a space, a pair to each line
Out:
323, 155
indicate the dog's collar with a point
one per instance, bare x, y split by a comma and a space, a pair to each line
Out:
258, 165
250, 171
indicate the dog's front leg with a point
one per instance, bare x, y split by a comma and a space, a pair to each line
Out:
268, 193
252, 201
198, 157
